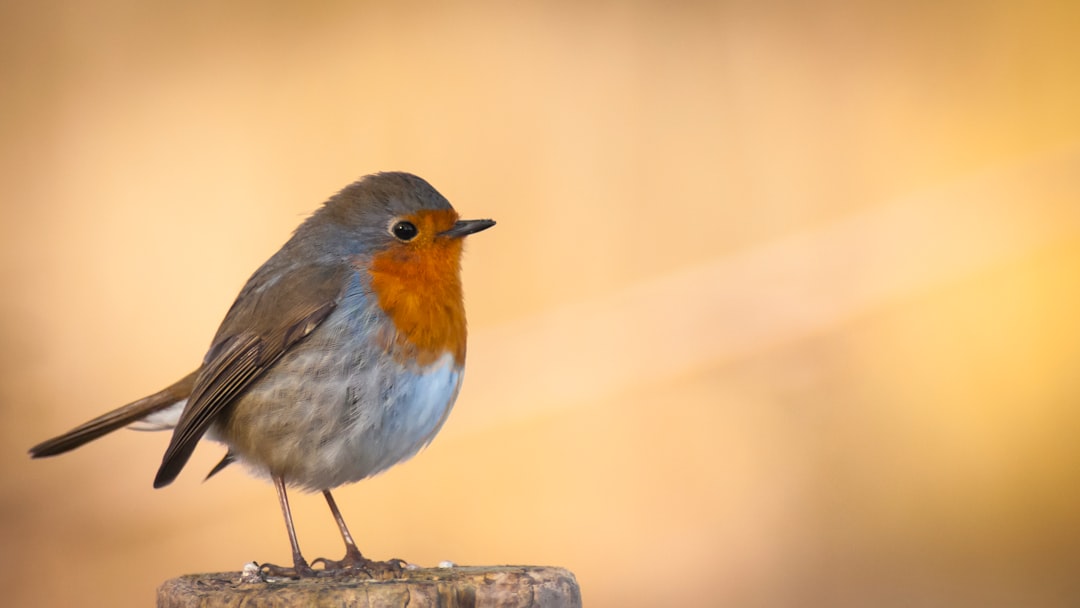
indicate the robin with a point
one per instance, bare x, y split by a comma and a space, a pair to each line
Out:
342, 356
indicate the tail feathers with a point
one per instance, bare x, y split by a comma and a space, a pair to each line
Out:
118, 418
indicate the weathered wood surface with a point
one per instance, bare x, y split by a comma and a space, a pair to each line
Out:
496, 586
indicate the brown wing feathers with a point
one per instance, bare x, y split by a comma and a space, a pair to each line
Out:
222, 379
231, 369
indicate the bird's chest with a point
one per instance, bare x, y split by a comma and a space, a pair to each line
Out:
421, 297
343, 404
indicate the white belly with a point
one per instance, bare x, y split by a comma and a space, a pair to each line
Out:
405, 420
322, 418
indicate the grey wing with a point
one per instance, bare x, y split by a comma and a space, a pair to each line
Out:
254, 335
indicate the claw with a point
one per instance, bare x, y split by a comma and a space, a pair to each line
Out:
356, 563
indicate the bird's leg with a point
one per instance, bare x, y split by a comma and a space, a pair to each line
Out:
353, 559
352, 552
300, 566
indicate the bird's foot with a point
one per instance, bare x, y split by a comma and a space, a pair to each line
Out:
355, 563
300, 569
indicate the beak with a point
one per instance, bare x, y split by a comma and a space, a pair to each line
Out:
466, 227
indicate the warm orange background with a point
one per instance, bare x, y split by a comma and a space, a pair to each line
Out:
781, 310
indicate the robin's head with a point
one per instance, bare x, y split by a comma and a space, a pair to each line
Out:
407, 238
397, 213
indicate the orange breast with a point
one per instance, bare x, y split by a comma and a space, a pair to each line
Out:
418, 285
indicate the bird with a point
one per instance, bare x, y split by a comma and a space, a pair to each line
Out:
342, 356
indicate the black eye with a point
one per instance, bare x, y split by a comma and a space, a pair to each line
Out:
405, 231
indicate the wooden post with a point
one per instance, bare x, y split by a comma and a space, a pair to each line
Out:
495, 586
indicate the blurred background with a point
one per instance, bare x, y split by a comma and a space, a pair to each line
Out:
781, 309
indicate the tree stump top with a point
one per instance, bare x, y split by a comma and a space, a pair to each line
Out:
464, 587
